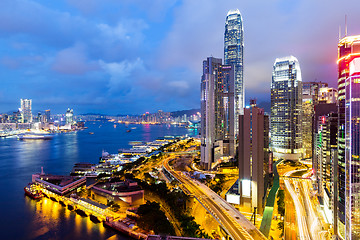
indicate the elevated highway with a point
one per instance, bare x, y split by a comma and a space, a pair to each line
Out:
234, 223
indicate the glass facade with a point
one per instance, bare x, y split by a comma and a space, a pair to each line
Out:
26, 110
352, 157
233, 55
217, 111
326, 143
286, 107
348, 49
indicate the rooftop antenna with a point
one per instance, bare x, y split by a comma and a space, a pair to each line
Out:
339, 32
345, 25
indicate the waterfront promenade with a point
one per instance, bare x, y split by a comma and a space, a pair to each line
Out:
47, 219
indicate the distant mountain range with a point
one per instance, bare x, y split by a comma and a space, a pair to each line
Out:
173, 114
265, 105
187, 112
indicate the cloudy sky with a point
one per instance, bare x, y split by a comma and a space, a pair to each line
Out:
133, 56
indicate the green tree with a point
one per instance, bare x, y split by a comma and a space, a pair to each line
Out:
281, 202
152, 218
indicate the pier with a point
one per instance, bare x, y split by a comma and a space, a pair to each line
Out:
95, 211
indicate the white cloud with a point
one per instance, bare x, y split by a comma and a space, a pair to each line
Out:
121, 74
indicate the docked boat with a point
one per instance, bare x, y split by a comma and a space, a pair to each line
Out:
32, 191
35, 136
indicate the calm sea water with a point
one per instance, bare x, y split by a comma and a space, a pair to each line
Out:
23, 218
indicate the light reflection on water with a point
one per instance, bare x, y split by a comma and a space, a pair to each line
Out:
52, 218
24, 218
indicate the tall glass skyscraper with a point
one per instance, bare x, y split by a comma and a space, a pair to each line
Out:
233, 54
348, 137
352, 152
26, 110
286, 109
217, 112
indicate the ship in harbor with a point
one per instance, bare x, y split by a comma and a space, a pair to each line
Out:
35, 136
32, 191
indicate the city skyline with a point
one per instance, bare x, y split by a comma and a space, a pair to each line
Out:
231, 167
128, 55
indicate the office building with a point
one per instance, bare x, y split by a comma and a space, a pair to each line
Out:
348, 54
352, 151
310, 96
69, 116
26, 110
326, 146
327, 95
47, 116
320, 110
286, 109
217, 112
313, 93
233, 54
253, 155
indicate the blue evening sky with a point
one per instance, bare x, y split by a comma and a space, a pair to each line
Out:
133, 56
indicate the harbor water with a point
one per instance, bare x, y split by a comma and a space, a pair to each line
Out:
24, 218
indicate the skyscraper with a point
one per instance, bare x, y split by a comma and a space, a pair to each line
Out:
252, 151
352, 150
233, 54
47, 116
26, 110
326, 145
286, 109
217, 112
310, 97
313, 93
69, 116
348, 63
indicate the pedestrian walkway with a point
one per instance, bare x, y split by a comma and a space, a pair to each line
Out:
269, 207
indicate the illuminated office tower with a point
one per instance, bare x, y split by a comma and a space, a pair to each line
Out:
233, 54
69, 116
26, 110
286, 109
326, 149
348, 51
310, 98
47, 116
352, 151
217, 112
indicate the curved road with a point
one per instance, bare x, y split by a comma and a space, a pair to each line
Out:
235, 224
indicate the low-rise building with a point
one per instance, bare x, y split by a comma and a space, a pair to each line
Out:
126, 193
59, 184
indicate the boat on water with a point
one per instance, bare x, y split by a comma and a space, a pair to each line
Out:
35, 136
128, 130
32, 191
91, 133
